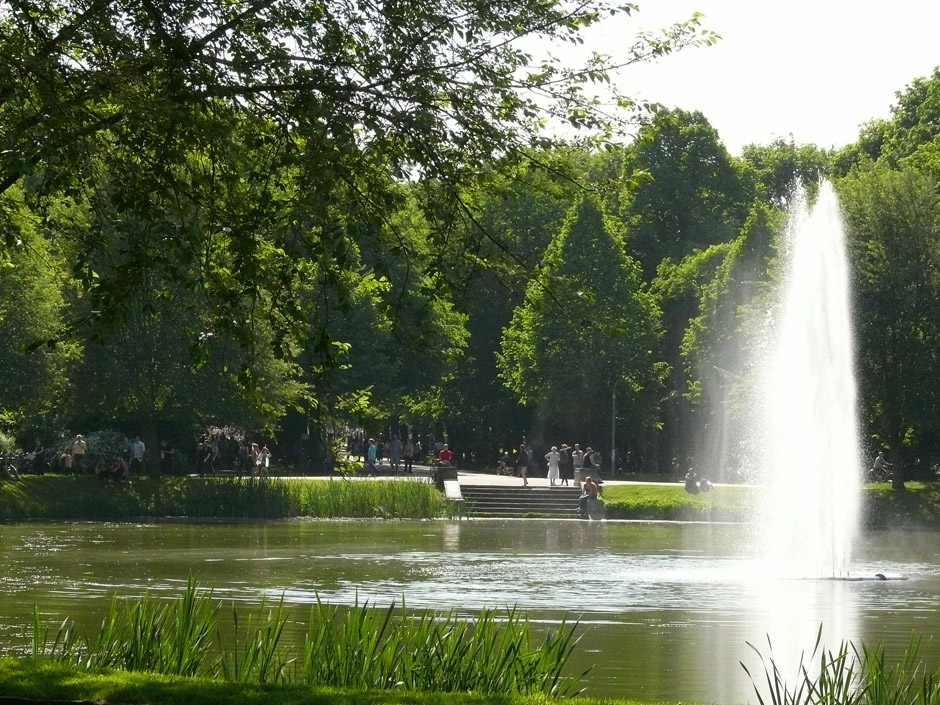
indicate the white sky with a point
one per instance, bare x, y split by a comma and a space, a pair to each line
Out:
814, 69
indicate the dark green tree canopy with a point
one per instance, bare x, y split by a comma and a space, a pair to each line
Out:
586, 328
246, 144
692, 194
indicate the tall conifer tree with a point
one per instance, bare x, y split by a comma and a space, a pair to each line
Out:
586, 328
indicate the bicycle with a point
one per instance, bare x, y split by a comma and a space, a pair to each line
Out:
8, 467
882, 474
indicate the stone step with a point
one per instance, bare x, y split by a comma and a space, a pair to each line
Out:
556, 502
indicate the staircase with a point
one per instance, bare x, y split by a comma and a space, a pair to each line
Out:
490, 501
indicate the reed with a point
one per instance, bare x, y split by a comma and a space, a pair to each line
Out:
60, 497
369, 648
850, 675
260, 659
363, 647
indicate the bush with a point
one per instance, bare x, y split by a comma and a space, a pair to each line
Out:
103, 447
7, 444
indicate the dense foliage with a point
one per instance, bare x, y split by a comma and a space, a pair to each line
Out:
301, 216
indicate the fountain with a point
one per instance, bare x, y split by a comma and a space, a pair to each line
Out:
811, 440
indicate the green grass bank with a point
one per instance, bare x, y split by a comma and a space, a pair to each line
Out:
90, 498
57, 497
47, 682
917, 507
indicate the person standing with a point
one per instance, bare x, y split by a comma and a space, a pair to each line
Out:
204, 458
553, 458
596, 459
37, 462
78, 449
577, 457
264, 460
138, 451
408, 453
394, 452
564, 464
522, 461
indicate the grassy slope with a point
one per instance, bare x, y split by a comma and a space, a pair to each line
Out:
917, 507
730, 503
58, 497
25, 678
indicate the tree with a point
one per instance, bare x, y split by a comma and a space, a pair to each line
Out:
721, 344
586, 328
32, 310
894, 234
692, 195
350, 99
776, 167
521, 211
915, 118
678, 291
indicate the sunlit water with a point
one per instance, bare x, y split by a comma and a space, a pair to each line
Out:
666, 609
810, 430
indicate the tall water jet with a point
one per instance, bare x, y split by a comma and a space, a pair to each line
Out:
811, 447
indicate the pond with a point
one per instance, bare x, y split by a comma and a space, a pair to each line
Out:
666, 609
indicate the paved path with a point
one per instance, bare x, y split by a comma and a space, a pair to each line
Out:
485, 478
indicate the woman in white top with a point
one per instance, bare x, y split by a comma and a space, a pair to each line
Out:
553, 456
78, 449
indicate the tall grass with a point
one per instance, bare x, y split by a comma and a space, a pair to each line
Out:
850, 675
368, 648
260, 659
58, 497
362, 647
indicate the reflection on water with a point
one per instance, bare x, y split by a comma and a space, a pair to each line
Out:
666, 609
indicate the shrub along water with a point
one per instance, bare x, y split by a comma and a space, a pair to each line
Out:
67, 497
363, 647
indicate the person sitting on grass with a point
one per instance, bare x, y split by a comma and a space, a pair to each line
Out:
117, 472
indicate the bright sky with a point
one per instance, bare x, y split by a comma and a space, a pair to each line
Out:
816, 69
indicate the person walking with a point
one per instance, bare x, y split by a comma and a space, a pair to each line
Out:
553, 457
371, 455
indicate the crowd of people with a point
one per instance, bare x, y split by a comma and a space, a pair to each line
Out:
215, 452
227, 452
563, 462
400, 453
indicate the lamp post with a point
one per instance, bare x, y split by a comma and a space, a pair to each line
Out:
613, 433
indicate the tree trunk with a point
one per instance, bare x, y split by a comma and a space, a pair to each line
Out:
152, 443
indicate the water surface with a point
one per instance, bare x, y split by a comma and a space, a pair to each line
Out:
666, 609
